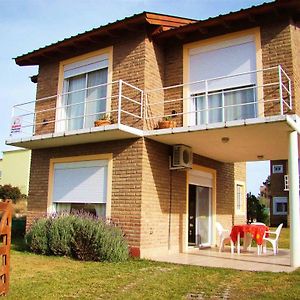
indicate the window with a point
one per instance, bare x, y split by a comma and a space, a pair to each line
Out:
240, 198
280, 206
85, 92
225, 105
277, 169
212, 69
81, 186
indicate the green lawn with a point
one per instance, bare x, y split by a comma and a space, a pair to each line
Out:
42, 277
284, 238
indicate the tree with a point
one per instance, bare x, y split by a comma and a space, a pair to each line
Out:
255, 210
10, 192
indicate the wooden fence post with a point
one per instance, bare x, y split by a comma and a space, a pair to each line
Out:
5, 242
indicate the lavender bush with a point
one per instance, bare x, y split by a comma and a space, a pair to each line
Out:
78, 235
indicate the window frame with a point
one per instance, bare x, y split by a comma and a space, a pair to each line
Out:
277, 200
242, 209
59, 125
210, 43
107, 156
280, 171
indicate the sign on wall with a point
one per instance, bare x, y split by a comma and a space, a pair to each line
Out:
16, 125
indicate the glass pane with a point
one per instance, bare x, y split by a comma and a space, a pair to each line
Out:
215, 108
93, 209
75, 102
96, 97
203, 216
200, 110
238, 109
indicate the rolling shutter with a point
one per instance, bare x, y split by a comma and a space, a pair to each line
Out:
86, 66
223, 59
80, 182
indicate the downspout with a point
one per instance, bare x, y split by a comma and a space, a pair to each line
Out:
294, 208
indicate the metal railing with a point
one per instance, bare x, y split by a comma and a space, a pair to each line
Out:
239, 96
118, 102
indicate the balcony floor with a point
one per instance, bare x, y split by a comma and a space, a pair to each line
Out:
81, 136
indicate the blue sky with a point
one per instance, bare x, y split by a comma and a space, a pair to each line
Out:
31, 24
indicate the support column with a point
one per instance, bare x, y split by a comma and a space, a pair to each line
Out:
294, 200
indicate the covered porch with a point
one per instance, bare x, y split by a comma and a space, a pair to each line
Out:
267, 138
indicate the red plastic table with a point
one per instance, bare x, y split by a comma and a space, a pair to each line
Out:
241, 231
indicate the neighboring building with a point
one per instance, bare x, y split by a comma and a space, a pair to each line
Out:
227, 81
279, 211
15, 169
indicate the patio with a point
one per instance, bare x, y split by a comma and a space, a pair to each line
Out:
246, 261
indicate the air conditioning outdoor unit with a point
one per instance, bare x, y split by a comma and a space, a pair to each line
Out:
182, 156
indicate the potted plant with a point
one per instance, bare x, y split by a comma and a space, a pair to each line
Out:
166, 122
104, 120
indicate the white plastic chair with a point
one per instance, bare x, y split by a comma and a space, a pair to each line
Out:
273, 241
224, 237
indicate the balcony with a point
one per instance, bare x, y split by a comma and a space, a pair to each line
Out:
69, 118
232, 109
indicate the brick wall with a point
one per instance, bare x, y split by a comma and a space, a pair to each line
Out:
240, 175
46, 87
164, 202
174, 76
276, 50
154, 79
126, 181
295, 34
129, 65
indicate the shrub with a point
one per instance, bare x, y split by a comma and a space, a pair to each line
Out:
60, 233
81, 236
37, 237
11, 192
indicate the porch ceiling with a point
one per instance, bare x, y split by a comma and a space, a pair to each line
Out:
249, 140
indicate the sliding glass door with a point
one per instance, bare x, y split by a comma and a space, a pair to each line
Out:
224, 105
85, 99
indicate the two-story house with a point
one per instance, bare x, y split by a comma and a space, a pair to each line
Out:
229, 87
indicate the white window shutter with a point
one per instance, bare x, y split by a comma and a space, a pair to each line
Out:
80, 182
233, 57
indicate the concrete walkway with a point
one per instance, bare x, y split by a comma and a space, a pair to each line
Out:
246, 261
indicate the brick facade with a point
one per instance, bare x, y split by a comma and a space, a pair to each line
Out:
126, 181
149, 202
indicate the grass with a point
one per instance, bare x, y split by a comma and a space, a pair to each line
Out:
41, 277
284, 238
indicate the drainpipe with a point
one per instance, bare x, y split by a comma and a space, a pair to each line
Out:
294, 208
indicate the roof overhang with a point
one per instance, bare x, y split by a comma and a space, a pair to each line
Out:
233, 21
82, 136
101, 36
235, 141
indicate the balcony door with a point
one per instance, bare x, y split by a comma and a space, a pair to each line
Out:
219, 95
84, 97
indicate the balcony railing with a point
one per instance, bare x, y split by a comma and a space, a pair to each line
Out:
235, 97
239, 96
79, 109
